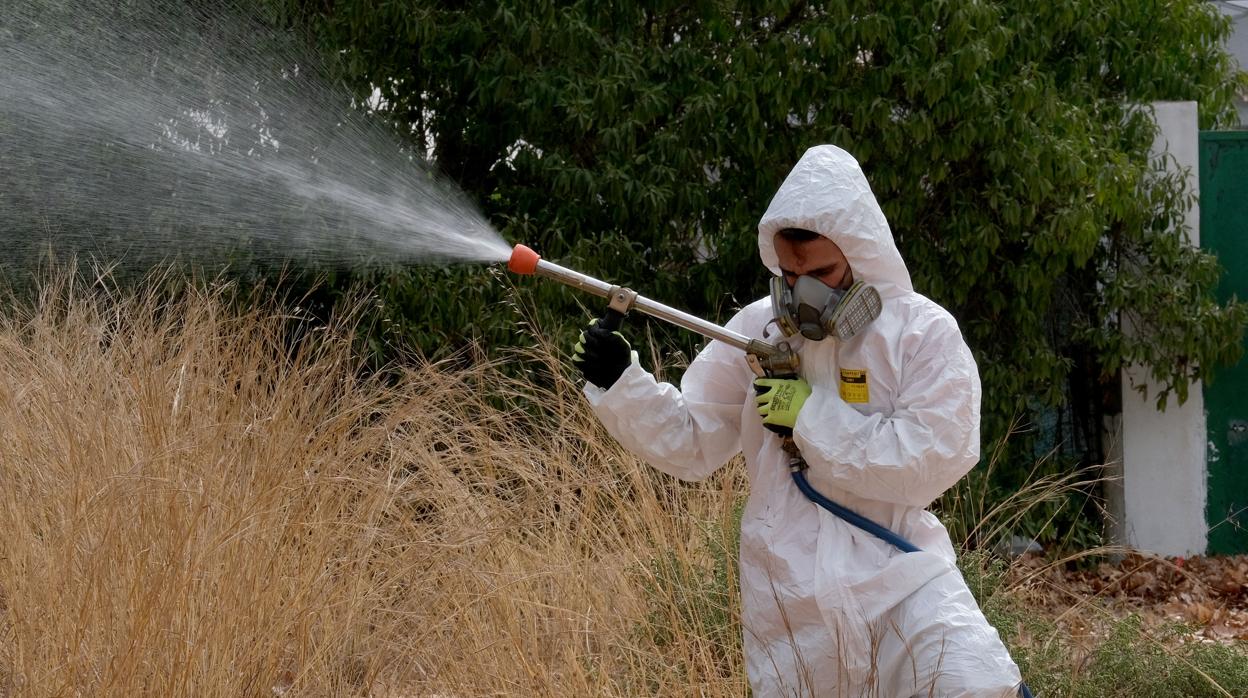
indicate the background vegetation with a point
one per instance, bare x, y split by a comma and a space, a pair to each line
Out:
641, 142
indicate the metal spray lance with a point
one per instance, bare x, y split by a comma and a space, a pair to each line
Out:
764, 358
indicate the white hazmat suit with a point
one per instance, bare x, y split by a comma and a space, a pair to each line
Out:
828, 609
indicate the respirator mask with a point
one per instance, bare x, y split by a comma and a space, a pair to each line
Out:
816, 310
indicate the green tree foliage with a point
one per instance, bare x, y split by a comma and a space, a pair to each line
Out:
641, 142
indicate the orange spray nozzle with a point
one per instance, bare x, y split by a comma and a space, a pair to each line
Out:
523, 260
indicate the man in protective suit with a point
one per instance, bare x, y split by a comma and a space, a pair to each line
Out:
886, 420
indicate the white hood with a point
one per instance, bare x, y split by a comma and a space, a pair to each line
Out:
827, 193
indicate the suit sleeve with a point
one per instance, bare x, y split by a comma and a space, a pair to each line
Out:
911, 457
687, 433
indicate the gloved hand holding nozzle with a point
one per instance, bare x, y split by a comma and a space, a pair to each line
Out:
602, 353
779, 400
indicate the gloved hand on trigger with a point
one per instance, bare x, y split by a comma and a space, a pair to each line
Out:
602, 354
779, 400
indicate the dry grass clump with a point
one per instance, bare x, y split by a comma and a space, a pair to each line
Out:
203, 497
195, 504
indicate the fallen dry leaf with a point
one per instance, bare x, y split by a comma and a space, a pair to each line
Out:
1208, 593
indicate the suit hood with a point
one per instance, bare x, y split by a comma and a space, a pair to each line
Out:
827, 193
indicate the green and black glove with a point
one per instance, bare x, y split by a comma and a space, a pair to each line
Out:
779, 400
602, 353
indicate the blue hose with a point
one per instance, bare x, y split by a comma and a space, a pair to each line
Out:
852, 517
855, 519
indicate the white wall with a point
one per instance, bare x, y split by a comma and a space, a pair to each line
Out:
1163, 453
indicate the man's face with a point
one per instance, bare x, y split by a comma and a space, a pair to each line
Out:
819, 257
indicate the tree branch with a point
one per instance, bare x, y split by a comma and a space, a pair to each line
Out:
795, 13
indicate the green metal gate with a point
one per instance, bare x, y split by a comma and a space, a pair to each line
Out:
1224, 231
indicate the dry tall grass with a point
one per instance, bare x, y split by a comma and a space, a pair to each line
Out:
192, 503
193, 506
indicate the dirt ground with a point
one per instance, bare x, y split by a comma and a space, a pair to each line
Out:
1207, 594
